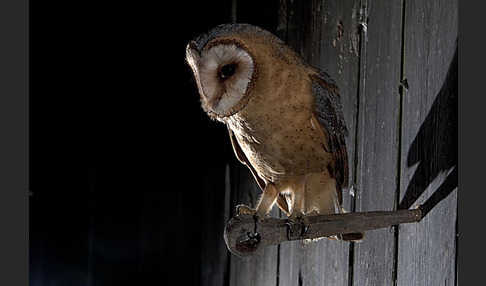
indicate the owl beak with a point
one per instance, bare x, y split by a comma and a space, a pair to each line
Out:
213, 102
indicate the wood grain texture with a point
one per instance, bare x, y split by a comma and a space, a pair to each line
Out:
325, 34
426, 251
378, 126
368, 69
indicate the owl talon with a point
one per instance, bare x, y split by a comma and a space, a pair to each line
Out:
255, 236
296, 227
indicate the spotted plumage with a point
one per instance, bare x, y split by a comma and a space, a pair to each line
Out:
284, 117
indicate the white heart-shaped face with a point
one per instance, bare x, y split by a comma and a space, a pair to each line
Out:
223, 73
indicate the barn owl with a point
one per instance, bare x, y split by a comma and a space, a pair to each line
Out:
284, 118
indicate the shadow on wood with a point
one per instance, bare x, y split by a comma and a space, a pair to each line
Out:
435, 147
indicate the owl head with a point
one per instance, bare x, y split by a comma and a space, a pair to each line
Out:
224, 67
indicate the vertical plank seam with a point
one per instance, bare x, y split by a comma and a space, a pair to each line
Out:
277, 282
361, 99
363, 15
401, 92
456, 245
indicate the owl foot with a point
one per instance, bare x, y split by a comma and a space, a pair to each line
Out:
296, 227
253, 238
244, 210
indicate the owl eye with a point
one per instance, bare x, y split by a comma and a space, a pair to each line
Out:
227, 71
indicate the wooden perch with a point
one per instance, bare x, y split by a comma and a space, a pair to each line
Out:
244, 236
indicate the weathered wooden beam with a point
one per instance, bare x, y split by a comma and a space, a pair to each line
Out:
244, 235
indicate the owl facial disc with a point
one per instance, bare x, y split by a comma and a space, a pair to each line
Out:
223, 72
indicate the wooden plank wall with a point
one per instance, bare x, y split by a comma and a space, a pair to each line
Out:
395, 63
426, 251
378, 122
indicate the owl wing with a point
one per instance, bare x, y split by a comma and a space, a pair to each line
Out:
242, 158
328, 112
281, 201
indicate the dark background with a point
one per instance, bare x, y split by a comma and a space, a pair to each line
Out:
120, 148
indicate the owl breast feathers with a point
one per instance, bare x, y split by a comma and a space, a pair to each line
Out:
284, 117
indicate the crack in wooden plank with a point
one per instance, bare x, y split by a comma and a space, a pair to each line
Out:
401, 91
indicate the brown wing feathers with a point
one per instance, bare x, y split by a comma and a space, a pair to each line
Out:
242, 158
328, 110
281, 201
